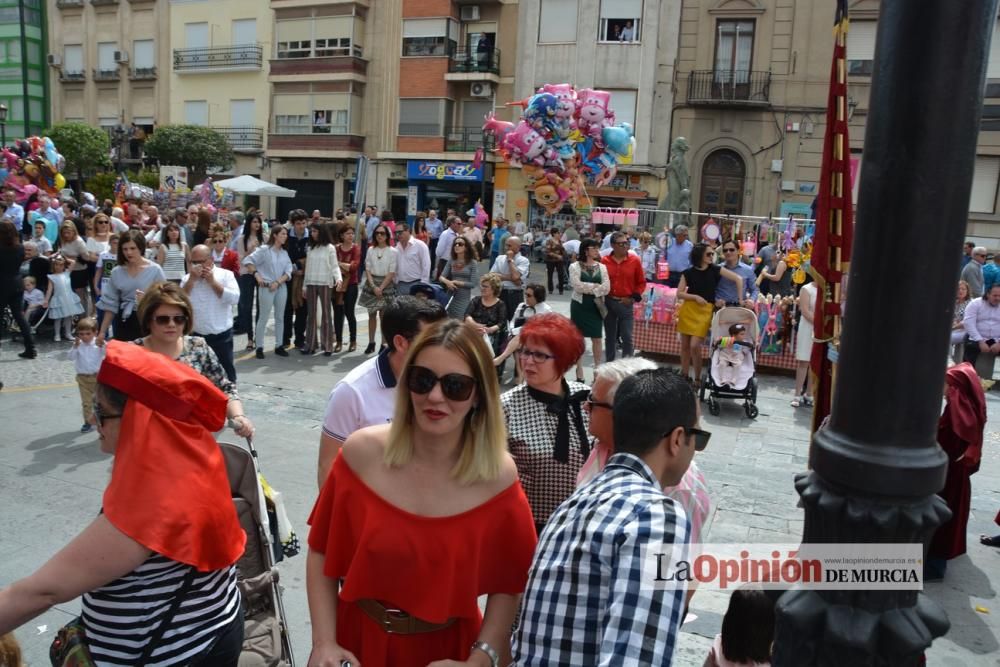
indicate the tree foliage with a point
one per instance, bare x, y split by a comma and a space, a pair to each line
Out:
193, 146
84, 148
102, 185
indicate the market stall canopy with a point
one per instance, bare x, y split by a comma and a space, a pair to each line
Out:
248, 185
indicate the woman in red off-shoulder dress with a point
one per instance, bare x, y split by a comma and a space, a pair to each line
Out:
420, 518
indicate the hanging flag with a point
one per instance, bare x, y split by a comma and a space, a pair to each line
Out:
834, 225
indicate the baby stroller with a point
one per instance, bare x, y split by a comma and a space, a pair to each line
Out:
722, 381
266, 641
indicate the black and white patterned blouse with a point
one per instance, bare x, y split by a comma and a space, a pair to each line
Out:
199, 356
548, 457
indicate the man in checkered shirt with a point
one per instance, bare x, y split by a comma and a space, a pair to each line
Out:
588, 600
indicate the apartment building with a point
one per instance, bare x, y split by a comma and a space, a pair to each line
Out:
24, 85
406, 83
218, 72
587, 43
752, 80
105, 59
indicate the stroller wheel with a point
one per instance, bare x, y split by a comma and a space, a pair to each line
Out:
751, 410
714, 407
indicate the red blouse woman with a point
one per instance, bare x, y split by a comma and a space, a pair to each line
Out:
420, 518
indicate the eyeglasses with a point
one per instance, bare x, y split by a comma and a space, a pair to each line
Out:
458, 243
535, 355
454, 386
101, 417
701, 438
590, 403
164, 320
729, 250
219, 241
621, 243
380, 233
198, 262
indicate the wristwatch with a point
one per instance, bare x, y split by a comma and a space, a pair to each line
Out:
488, 650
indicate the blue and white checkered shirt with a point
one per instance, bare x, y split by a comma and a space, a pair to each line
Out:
586, 602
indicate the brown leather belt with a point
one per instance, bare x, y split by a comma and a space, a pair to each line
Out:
396, 621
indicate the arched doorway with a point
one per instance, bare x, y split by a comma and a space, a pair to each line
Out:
722, 183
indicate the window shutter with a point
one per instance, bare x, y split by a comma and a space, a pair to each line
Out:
984, 185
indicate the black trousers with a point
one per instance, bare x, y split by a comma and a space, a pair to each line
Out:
11, 297
300, 315
557, 268
222, 345
346, 310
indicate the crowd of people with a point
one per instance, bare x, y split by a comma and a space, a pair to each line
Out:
545, 498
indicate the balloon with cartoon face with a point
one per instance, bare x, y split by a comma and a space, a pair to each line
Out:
593, 111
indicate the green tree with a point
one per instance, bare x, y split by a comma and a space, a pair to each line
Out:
102, 185
84, 148
193, 146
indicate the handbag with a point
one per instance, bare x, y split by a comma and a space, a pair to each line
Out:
602, 308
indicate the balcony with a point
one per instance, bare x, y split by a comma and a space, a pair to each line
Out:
473, 65
295, 144
142, 74
729, 88
466, 140
72, 77
107, 75
69, 4
243, 139
99, 3
219, 58
343, 64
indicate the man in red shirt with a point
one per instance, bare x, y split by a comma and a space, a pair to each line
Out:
628, 282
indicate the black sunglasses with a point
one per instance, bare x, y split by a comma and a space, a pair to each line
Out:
454, 386
164, 320
100, 416
701, 438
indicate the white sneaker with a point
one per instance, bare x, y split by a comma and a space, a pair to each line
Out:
58, 339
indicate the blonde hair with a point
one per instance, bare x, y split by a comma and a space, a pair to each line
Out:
10, 652
87, 324
484, 433
493, 280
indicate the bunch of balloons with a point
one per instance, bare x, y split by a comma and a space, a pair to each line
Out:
565, 139
30, 165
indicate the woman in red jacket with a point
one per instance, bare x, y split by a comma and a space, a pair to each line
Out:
222, 255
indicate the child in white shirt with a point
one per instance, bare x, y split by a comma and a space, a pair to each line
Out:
43, 244
87, 356
33, 300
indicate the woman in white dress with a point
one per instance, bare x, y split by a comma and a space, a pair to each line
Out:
804, 343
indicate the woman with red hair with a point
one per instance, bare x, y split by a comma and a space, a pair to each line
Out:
546, 422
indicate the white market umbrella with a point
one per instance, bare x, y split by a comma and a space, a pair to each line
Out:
248, 185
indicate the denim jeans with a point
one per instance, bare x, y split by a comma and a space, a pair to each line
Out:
618, 324
222, 345
269, 300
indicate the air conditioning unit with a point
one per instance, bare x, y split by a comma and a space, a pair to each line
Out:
481, 89
470, 13
54, 60
121, 56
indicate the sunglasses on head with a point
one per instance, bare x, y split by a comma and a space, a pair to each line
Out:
164, 320
454, 386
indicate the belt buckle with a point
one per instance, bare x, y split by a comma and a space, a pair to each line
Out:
392, 615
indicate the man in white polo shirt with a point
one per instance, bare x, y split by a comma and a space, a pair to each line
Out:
413, 260
367, 395
213, 292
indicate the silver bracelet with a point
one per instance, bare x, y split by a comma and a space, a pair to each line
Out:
488, 650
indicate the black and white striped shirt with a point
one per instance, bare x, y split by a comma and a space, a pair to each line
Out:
121, 617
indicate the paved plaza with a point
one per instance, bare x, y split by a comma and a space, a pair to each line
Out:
52, 478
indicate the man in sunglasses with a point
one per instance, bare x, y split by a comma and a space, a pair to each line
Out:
725, 292
213, 292
367, 395
591, 556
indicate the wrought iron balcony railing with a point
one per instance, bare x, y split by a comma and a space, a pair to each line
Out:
466, 139
107, 74
67, 76
63, 4
219, 57
461, 60
729, 87
142, 73
243, 137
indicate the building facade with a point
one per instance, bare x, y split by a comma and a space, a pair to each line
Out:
24, 85
627, 47
218, 72
106, 64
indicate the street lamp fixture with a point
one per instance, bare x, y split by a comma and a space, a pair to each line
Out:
3, 124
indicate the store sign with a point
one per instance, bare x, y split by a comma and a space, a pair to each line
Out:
421, 170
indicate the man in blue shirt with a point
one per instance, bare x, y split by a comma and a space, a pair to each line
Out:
678, 255
725, 293
500, 233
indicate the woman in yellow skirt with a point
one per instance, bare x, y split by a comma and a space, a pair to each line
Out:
697, 292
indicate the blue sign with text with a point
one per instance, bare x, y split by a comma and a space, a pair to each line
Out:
431, 170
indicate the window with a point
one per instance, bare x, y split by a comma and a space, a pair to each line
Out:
429, 37
106, 56
984, 185
620, 20
242, 113
734, 51
861, 48
993, 64
73, 59
196, 35
623, 104
557, 21
322, 37
423, 117
143, 54
319, 113
196, 112
245, 31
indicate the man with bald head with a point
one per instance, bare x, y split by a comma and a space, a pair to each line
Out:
213, 292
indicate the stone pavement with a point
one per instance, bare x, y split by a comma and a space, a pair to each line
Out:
52, 478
